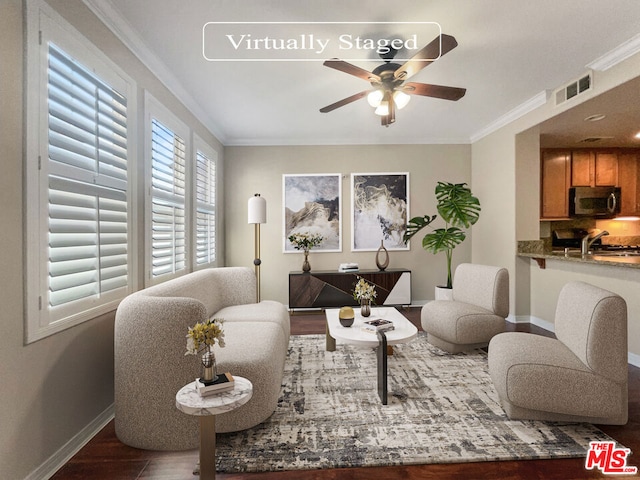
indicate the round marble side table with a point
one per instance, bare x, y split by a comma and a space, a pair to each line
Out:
189, 401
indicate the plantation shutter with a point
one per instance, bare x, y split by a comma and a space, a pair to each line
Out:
168, 160
87, 180
205, 209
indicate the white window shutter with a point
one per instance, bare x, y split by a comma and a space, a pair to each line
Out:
168, 223
87, 170
205, 209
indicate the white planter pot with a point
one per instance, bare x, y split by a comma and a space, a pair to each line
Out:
443, 293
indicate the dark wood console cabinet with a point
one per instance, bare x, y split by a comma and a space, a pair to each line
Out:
332, 289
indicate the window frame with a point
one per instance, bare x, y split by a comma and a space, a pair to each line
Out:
44, 25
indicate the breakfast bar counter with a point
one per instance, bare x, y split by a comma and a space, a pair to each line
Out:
533, 249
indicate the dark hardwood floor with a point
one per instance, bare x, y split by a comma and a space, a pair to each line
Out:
104, 457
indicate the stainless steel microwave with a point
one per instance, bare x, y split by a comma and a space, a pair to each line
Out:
598, 202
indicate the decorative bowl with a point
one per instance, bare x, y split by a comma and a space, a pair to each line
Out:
346, 316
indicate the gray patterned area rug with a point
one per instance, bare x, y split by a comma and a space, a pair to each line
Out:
442, 409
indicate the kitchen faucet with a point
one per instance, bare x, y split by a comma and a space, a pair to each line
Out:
588, 240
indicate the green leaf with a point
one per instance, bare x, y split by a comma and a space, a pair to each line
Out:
456, 205
442, 239
415, 225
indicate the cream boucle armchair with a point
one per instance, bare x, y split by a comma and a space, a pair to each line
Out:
580, 376
476, 313
151, 366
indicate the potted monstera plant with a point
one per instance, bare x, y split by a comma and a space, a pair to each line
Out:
459, 209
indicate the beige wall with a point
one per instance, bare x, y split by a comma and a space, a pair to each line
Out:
251, 170
54, 388
505, 166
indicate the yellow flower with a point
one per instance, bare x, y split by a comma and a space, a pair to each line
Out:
205, 335
364, 290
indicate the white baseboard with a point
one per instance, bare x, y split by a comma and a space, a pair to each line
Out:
56, 461
539, 322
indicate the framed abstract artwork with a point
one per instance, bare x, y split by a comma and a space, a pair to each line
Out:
312, 204
379, 209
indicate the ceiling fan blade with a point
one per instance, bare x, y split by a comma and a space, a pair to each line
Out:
432, 51
352, 70
344, 101
436, 91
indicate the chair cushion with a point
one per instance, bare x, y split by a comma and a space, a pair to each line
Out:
592, 322
541, 373
483, 285
459, 322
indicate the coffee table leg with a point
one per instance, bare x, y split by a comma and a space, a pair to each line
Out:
208, 447
331, 342
382, 367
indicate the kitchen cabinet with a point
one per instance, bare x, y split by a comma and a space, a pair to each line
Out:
565, 168
629, 179
581, 168
555, 183
594, 168
606, 169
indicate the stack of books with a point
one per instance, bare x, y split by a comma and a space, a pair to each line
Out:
348, 267
377, 325
223, 383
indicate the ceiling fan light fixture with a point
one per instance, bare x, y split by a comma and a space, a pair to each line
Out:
385, 104
375, 97
383, 109
401, 99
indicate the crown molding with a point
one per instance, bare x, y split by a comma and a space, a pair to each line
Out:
512, 115
274, 142
108, 14
617, 55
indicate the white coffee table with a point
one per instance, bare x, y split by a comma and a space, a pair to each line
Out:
404, 331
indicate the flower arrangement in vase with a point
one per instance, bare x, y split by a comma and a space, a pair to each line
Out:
201, 338
305, 242
364, 292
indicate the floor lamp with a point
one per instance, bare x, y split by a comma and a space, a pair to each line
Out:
257, 215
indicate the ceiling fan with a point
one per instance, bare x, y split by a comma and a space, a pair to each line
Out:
388, 80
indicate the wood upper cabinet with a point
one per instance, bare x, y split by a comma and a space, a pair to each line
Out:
606, 169
565, 168
555, 182
591, 168
582, 168
629, 180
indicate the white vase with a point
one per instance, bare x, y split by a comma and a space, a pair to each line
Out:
443, 293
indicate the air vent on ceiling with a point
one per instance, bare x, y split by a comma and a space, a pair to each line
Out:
573, 89
594, 139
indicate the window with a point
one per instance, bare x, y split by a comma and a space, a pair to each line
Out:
79, 235
205, 204
167, 217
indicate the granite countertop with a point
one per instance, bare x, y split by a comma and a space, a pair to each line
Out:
541, 250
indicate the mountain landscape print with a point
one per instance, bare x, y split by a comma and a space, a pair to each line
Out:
312, 204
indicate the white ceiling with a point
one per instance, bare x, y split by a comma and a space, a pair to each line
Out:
511, 53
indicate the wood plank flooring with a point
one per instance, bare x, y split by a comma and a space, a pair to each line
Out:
106, 458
